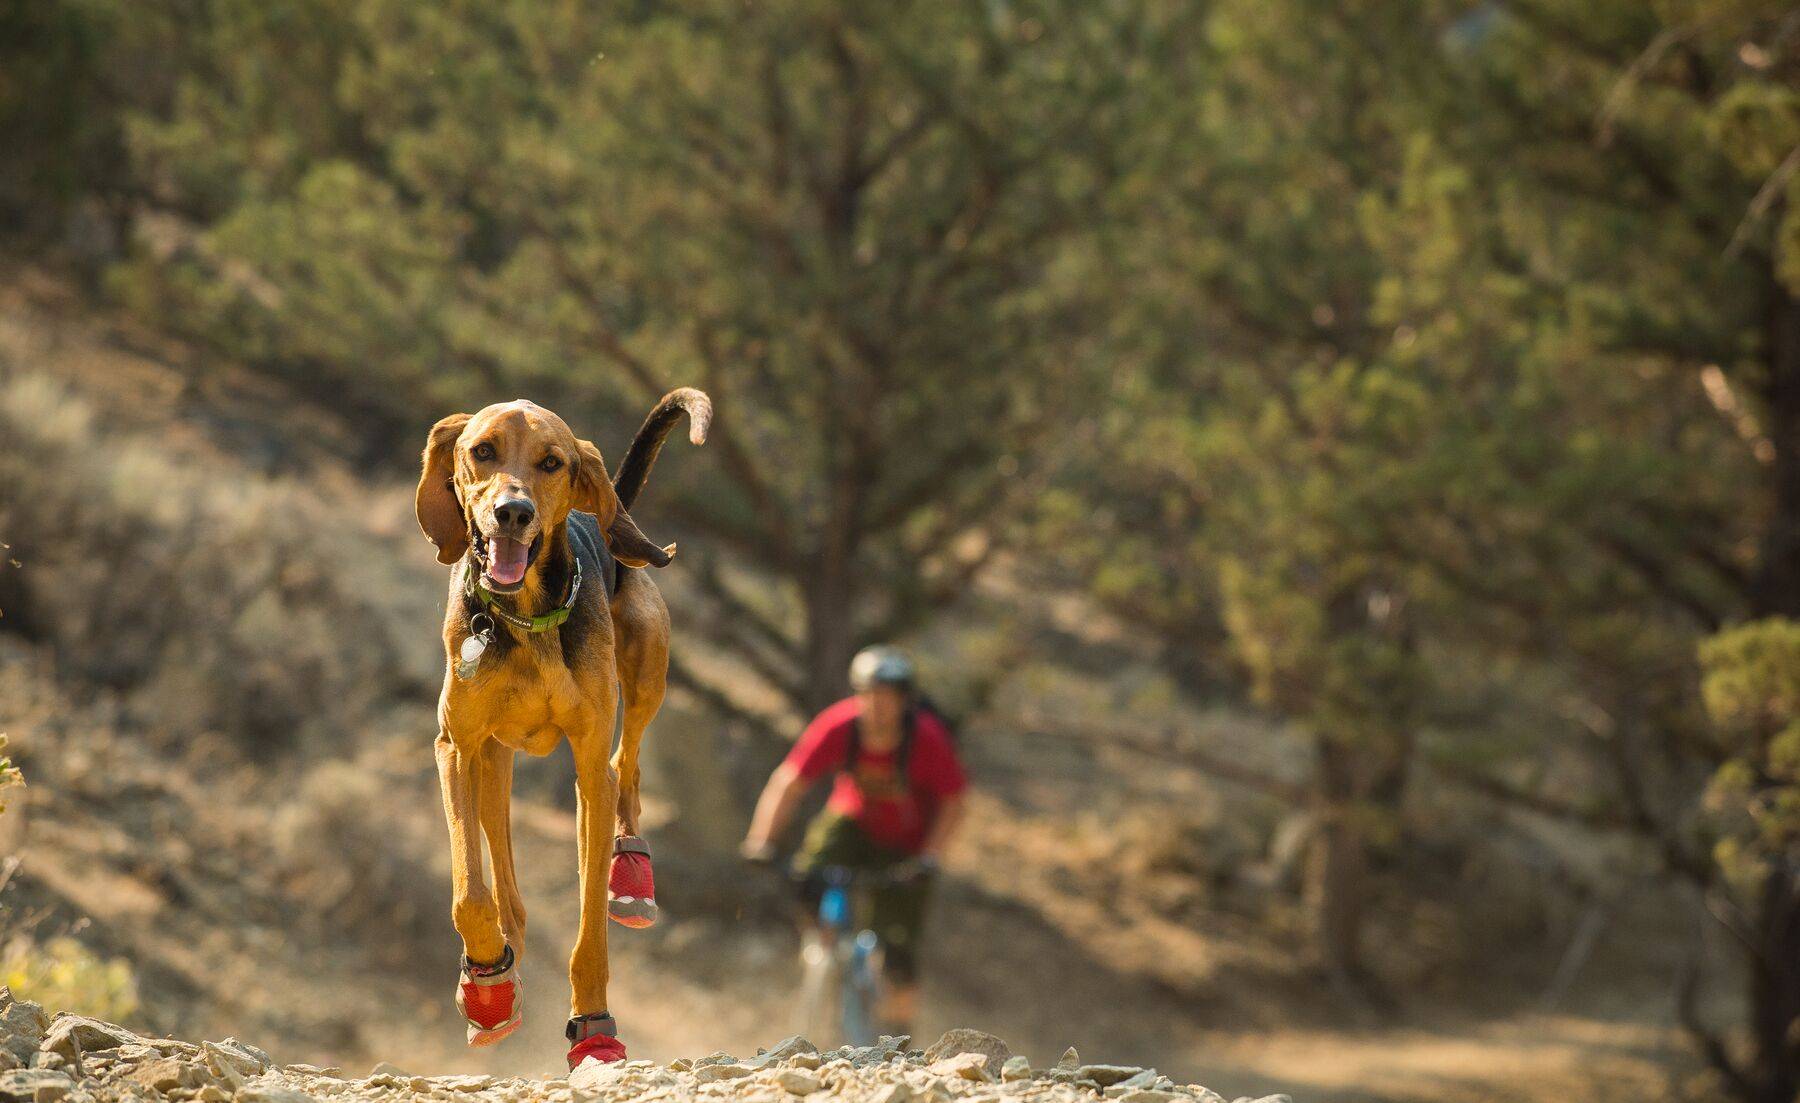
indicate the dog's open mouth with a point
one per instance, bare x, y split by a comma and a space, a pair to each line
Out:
506, 560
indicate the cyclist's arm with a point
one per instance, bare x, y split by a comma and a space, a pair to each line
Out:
775, 808
943, 826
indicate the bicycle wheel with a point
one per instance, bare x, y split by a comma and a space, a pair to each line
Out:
816, 1016
860, 991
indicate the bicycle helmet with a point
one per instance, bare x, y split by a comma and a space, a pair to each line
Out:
881, 666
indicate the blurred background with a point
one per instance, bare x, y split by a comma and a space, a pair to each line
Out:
1339, 463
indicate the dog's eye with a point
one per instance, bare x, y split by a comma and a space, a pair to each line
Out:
482, 451
550, 463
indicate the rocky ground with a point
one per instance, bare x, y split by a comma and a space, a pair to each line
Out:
72, 1059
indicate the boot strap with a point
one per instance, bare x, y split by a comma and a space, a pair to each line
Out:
487, 976
583, 1027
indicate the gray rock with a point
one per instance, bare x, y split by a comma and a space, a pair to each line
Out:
238, 1058
962, 1040
166, 1074
272, 1093
964, 1066
471, 1083
93, 1036
719, 1057
1144, 1078
1154, 1095
863, 1057
30, 1085
797, 1081
596, 1077
25, 1019
245, 1047
792, 1046
1107, 1074
1016, 1067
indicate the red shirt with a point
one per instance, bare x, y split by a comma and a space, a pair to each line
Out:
896, 815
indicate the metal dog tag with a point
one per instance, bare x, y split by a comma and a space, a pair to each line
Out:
471, 657
471, 650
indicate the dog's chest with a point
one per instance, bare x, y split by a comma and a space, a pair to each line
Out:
526, 703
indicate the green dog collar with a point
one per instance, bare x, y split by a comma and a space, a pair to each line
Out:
542, 623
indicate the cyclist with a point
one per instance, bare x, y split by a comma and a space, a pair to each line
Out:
896, 801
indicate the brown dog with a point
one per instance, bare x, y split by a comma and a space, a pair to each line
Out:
549, 622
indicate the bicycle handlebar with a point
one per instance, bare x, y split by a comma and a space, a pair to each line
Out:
851, 877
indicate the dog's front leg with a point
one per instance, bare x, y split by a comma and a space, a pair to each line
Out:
596, 791
472, 908
495, 795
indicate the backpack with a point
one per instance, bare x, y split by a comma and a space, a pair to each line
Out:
903, 753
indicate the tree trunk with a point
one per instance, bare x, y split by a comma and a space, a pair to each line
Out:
1776, 590
1773, 963
830, 598
1774, 970
831, 589
1337, 875
1354, 783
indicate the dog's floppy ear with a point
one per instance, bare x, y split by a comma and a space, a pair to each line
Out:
594, 494
631, 547
593, 486
440, 510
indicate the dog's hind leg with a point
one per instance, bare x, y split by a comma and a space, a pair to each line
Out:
496, 822
641, 647
596, 799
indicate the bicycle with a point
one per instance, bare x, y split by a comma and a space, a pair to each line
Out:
840, 983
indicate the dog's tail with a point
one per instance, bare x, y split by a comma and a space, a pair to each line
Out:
634, 469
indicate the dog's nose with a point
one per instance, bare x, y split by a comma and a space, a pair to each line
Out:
515, 514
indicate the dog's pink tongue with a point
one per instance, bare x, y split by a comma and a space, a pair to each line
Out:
506, 560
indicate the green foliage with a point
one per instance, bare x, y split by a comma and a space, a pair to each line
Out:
861, 228
63, 975
1758, 126
1751, 684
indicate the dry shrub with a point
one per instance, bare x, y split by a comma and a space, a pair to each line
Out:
1181, 860
360, 858
212, 597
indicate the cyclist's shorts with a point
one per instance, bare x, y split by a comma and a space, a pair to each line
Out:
897, 912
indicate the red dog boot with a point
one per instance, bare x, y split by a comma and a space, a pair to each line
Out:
631, 889
489, 998
594, 1038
